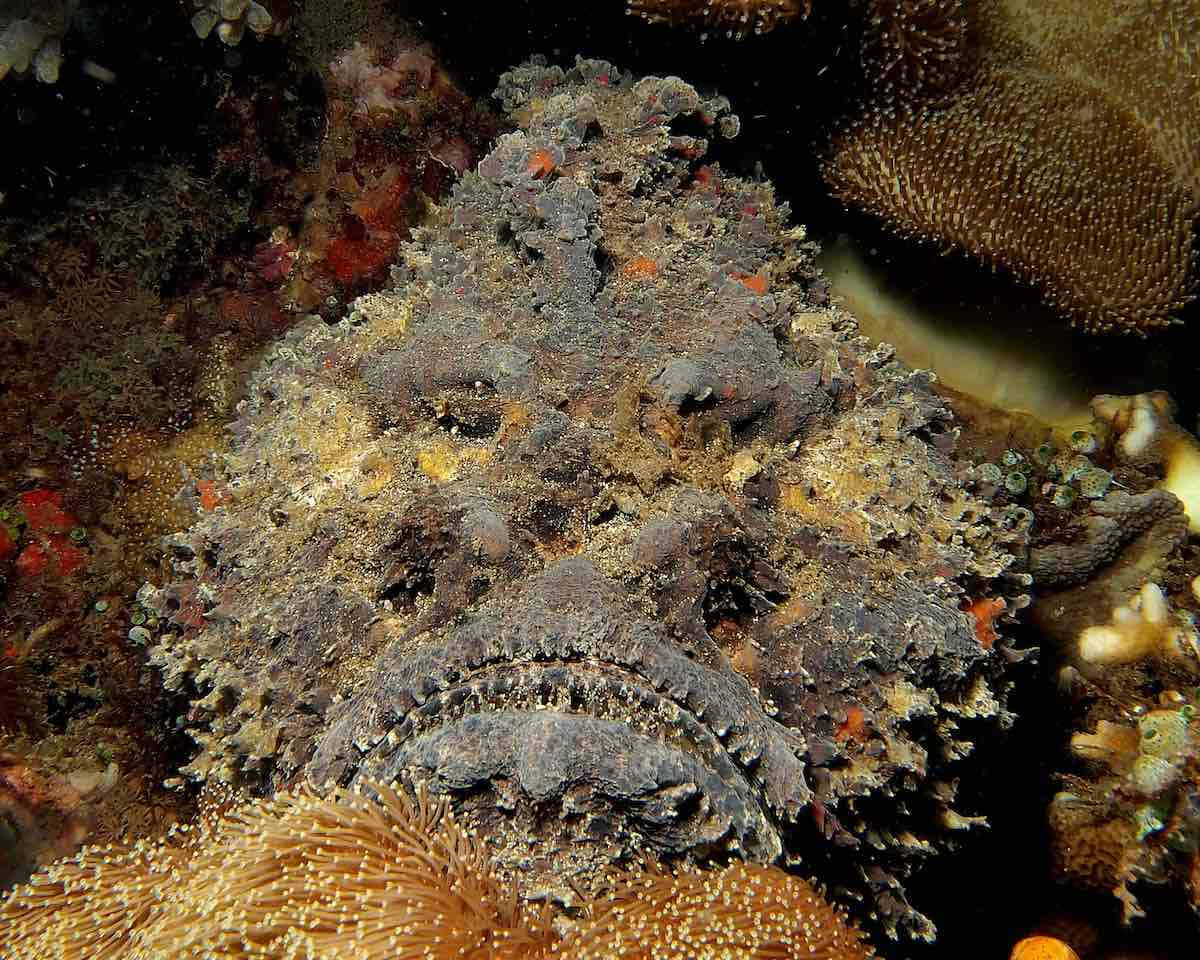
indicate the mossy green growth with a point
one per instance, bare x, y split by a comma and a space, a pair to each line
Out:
990, 473
1016, 483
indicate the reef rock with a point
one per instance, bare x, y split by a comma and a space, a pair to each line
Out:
598, 524
1119, 597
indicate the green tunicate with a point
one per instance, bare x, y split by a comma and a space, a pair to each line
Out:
1084, 441
1044, 454
1152, 775
1094, 482
1062, 496
78, 534
1147, 821
1075, 467
101, 606
1015, 483
1164, 733
137, 616
140, 635
989, 473
1011, 458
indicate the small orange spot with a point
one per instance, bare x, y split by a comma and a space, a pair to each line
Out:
985, 610
540, 163
210, 496
854, 727
640, 267
1043, 948
755, 282
704, 175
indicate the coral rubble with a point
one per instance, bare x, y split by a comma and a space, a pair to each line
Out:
229, 20
599, 525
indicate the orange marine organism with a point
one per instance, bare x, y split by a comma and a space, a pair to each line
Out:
985, 610
640, 267
1042, 948
541, 163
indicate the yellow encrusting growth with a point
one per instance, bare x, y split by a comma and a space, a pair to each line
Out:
372, 875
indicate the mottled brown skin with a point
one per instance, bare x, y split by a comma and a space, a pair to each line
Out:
597, 524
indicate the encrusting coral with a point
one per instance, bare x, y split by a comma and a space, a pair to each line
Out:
1116, 597
1133, 816
372, 874
1119, 595
1110, 523
1147, 435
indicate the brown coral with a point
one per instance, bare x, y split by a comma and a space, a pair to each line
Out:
737, 16
1055, 142
1060, 158
1093, 217
353, 877
914, 46
298, 875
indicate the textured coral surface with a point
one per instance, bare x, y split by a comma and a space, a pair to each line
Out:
600, 526
1056, 155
